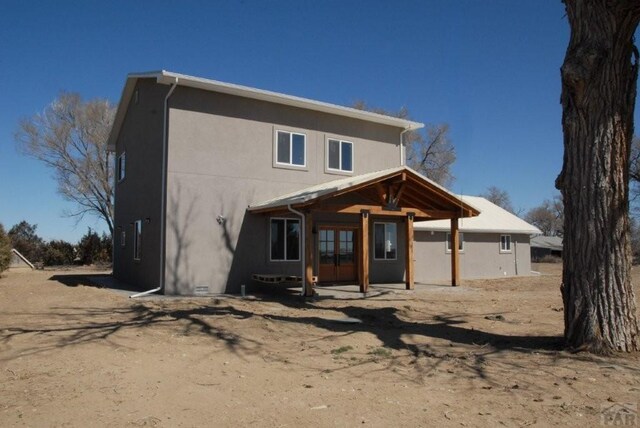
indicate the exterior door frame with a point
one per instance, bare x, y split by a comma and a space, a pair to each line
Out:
336, 228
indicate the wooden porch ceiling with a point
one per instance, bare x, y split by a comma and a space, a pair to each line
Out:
400, 193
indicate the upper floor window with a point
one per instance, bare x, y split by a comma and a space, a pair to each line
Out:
505, 243
339, 155
385, 241
121, 166
285, 239
460, 242
291, 148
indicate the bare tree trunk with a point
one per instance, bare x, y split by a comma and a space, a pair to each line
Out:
599, 77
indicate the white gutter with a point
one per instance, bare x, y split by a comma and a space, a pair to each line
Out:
163, 196
303, 278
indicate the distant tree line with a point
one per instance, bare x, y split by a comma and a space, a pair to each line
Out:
90, 249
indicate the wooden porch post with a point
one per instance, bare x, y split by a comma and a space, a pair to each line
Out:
409, 253
455, 256
364, 252
308, 255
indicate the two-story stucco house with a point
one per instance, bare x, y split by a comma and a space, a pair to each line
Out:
217, 182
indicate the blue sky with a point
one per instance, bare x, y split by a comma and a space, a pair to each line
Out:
488, 68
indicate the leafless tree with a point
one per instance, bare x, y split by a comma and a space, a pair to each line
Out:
70, 136
429, 151
599, 78
500, 197
548, 217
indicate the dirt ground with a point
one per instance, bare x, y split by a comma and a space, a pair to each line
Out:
487, 353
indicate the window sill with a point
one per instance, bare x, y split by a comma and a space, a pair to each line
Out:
338, 172
292, 167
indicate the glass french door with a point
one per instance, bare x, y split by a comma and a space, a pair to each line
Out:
337, 254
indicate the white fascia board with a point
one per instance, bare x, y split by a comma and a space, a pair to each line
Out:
166, 77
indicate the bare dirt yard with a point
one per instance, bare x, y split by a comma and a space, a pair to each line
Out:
487, 353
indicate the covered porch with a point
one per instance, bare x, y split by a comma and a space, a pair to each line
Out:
359, 229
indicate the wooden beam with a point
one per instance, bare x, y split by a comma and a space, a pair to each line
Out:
308, 255
364, 252
400, 191
409, 275
381, 193
378, 210
455, 256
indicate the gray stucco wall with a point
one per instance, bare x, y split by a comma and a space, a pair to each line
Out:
480, 257
220, 161
138, 195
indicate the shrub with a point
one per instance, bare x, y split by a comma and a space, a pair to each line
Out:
25, 239
94, 249
58, 252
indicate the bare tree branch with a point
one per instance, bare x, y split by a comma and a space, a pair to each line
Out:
70, 137
430, 152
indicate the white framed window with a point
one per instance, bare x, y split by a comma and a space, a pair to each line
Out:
285, 239
385, 238
137, 240
123, 238
339, 155
505, 243
120, 168
460, 242
290, 149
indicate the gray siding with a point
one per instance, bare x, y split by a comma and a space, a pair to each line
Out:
480, 258
220, 161
138, 195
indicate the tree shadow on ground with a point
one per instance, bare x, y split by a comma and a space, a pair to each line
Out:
69, 326
426, 343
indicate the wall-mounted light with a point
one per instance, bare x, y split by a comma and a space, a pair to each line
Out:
147, 220
220, 219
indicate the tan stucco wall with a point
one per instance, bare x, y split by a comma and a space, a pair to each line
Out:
138, 195
480, 258
221, 160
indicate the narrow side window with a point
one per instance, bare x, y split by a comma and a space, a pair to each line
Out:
505, 243
460, 242
385, 241
120, 166
137, 240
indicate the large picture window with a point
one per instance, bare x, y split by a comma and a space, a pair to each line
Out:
137, 240
339, 155
385, 241
285, 239
460, 242
291, 148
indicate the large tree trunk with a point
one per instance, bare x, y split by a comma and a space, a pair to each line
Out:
599, 77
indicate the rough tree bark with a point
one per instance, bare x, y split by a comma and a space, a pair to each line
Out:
599, 77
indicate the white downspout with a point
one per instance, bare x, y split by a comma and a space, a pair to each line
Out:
163, 196
402, 157
303, 248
